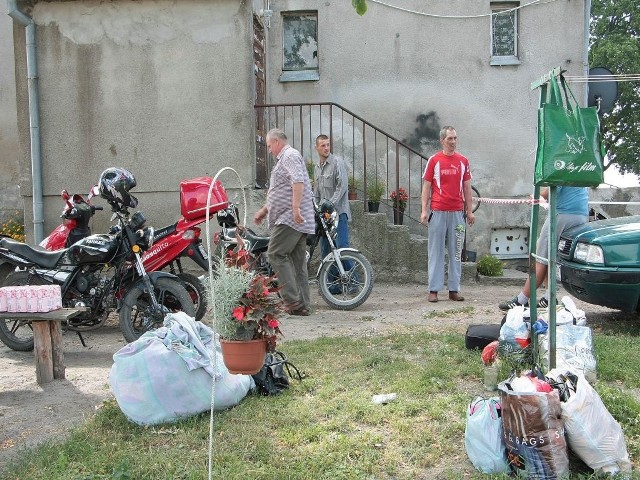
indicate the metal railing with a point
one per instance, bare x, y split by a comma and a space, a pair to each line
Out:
372, 154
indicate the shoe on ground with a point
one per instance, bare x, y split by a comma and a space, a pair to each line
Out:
433, 297
300, 312
504, 306
456, 297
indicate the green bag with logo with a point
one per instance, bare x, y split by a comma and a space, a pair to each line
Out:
569, 147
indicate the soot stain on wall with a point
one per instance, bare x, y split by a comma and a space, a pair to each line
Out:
426, 136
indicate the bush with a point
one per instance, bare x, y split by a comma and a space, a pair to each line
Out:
489, 266
14, 228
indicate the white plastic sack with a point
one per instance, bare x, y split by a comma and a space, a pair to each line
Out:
167, 374
514, 327
483, 436
574, 350
591, 432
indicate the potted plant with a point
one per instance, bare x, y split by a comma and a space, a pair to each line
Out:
375, 191
399, 201
245, 308
354, 185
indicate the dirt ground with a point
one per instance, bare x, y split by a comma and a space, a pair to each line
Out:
30, 414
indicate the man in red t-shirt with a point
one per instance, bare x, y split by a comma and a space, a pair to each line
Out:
445, 192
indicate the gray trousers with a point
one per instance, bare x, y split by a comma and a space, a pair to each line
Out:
449, 228
288, 257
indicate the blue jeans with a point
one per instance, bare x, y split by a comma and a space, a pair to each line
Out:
342, 236
341, 241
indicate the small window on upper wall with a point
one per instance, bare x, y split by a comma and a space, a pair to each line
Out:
299, 46
504, 33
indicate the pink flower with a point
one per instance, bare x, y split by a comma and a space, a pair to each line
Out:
273, 323
238, 313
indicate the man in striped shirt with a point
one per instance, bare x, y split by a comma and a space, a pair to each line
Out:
446, 194
290, 216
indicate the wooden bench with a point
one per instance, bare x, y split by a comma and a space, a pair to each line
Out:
47, 340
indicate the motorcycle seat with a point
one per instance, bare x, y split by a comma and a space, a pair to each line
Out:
164, 232
42, 258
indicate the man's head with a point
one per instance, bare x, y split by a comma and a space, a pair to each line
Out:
323, 147
448, 139
276, 140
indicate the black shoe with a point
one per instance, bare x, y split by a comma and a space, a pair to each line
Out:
504, 306
544, 303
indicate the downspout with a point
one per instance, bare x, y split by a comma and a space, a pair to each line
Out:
587, 30
34, 116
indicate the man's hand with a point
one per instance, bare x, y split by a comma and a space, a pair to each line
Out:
423, 217
259, 216
471, 218
297, 216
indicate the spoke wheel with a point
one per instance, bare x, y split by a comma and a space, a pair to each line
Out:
350, 291
197, 292
137, 314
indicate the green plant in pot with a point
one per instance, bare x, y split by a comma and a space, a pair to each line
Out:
375, 191
354, 186
246, 307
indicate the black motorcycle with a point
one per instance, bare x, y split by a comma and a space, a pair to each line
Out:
103, 272
345, 276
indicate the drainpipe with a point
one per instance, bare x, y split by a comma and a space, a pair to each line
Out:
587, 23
34, 116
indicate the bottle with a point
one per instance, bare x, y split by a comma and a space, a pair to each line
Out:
491, 376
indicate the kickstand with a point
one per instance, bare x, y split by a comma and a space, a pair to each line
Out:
81, 339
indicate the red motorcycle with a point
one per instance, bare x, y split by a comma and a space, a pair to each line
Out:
170, 244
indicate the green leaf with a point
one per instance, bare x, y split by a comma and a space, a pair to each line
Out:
360, 6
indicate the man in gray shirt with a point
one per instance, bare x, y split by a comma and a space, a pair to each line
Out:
331, 183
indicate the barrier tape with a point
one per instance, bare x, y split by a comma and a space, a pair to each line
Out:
542, 202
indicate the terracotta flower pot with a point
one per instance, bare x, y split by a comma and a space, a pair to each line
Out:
246, 357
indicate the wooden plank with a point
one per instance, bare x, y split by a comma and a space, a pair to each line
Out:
42, 350
57, 353
59, 314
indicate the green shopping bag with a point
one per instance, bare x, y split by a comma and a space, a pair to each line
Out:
569, 148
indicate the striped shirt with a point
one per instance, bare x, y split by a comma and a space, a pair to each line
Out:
289, 169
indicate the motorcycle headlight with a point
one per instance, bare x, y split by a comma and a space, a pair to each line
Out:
137, 220
145, 238
586, 253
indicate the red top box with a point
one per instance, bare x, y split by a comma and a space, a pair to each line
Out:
193, 197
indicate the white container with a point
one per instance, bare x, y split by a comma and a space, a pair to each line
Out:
384, 398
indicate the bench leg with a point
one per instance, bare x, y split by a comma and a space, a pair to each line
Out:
57, 353
42, 350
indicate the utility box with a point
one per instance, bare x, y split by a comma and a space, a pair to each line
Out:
510, 243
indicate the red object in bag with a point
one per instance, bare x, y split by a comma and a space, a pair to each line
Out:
490, 353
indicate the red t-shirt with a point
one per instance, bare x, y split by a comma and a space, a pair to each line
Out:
447, 173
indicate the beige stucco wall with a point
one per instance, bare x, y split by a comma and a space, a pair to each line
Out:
161, 88
9, 173
389, 66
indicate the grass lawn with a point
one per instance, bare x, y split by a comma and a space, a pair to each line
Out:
326, 426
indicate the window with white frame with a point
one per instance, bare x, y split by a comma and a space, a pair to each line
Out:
504, 33
300, 46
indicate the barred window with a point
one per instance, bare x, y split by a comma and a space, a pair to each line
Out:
504, 33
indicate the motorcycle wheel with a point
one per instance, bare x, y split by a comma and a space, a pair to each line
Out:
5, 270
15, 333
197, 292
352, 291
137, 315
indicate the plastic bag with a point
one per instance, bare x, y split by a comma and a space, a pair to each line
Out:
592, 433
515, 329
533, 433
574, 350
483, 436
167, 374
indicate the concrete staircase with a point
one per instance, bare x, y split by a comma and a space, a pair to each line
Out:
399, 256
